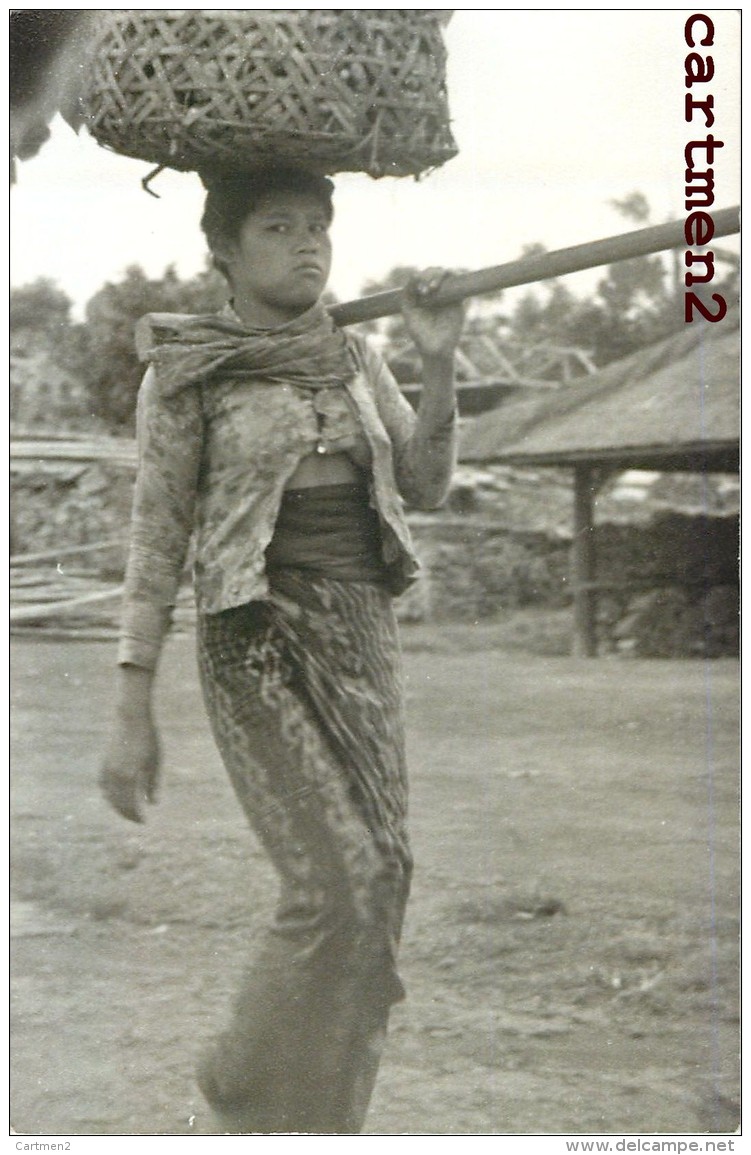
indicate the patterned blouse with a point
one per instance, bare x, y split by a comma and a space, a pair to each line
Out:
215, 459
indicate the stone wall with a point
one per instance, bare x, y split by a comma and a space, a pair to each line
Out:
474, 570
670, 583
56, 505
687, 598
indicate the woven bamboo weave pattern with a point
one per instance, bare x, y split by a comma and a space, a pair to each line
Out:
335, 90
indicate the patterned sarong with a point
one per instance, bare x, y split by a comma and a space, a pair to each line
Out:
305, 700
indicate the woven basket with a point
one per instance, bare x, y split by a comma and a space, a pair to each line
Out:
358, 90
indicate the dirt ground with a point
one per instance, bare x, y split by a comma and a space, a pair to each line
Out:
570, 952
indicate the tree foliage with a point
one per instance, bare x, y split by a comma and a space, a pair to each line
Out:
100, 352
631, 307
633, 304
41, 307
113, 370
40, 322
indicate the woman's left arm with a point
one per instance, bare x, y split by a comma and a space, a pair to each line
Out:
425, 444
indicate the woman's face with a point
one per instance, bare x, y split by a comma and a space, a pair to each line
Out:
280, 262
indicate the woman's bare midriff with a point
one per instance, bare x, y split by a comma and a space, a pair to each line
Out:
324, 469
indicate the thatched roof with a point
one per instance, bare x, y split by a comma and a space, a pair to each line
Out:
673, 405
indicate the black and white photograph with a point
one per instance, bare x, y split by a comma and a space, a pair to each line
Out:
374, 509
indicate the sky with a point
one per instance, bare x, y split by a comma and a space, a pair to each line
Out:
556, 114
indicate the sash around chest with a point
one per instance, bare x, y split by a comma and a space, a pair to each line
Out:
330, 530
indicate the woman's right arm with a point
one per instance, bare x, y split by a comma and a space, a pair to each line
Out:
169, 442
129, 775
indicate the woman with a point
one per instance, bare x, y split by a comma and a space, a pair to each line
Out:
288, 447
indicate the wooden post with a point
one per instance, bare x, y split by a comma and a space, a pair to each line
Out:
584, 563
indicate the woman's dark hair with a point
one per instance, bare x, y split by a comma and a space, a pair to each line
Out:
231, 197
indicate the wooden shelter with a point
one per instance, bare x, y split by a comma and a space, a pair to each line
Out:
671, 406
490, 368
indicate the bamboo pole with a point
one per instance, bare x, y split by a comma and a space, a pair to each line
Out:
51, 609
624, 246
114, 451
52, 555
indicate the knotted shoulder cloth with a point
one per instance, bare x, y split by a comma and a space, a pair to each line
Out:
309, 351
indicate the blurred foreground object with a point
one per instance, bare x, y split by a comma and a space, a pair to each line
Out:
46, 57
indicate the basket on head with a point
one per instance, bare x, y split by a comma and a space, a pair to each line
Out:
357, 90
